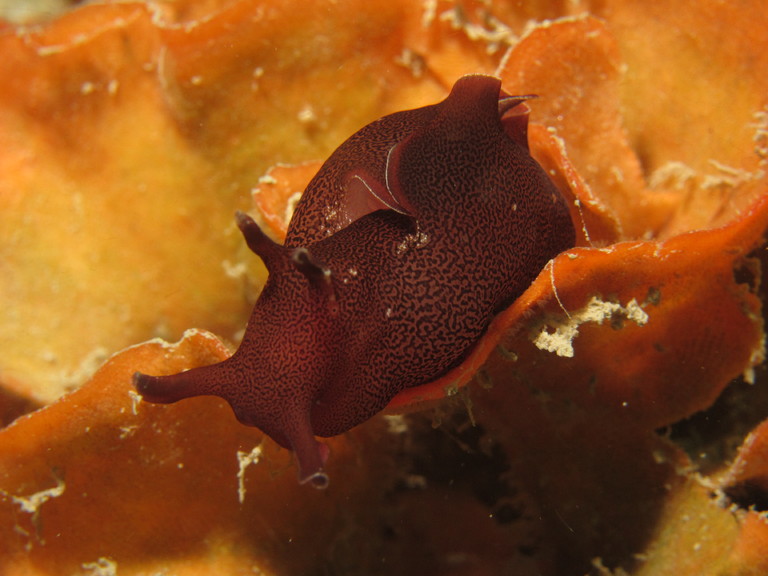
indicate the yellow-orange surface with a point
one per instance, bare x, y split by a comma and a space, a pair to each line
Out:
131, 132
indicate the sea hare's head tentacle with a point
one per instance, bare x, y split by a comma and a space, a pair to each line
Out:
202, 381
318, 275
260, 381
262, 245
311, 455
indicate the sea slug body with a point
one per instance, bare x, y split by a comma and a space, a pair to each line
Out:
415, 232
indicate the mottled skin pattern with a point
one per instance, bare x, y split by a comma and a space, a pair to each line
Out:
413, 235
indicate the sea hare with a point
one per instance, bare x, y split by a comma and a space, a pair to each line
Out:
415, 232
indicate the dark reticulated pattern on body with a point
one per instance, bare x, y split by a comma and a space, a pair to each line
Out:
411, 237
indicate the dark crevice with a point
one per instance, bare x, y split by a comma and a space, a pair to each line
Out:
711, 438
13, 405
748, 495
458, 455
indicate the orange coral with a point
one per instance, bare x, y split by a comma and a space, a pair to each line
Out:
118, 478
132, 131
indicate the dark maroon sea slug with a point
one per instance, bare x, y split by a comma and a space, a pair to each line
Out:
411, 237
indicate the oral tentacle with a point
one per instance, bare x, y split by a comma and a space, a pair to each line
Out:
311, 455
172, 388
